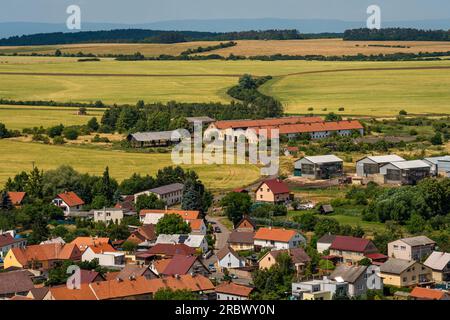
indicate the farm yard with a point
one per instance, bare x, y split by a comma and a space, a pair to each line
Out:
365, 88
16, 156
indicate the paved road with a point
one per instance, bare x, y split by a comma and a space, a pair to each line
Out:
221, 238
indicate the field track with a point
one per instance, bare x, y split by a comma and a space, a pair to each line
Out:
65, 74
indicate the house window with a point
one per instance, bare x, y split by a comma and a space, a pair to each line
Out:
403, 248
405, 279
395, 247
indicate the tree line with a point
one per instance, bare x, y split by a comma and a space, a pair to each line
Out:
145, 36
396, 34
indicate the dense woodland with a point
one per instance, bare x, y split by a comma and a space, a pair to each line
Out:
145, 36
396, 34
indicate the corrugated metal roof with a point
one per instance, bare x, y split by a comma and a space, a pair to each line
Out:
324, 159
168, 188
435, 160
386, 158
152, 136
413, 164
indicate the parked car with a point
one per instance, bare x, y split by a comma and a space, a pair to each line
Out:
212, 268
217, 230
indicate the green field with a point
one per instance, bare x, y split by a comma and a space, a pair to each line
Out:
19, 117
366, 92
17, 156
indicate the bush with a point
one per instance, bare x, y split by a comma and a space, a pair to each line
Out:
58, 140
71, 133
55, 131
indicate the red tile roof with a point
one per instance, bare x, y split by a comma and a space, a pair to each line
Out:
234, 289
179, 264
346, 243
235, 124
171, 249
88, 276
71, 199
428, 294
274, 234
276, 186
376, 256
16, 197
313, 127
7, 239
46, 252
83, 242
102, 247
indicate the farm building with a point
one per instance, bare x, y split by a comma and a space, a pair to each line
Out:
439, 165
405, 172
371, 164
171, 194
319, 167
152, 139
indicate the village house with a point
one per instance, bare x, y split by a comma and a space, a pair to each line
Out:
277, 238
179, 265
404, 273
319, 289
357, 279
7, 242
131, 271
41, 257
143, 236
324, 243
319, 167
419, 293
153, 139
198, 226
439, 263
405, 172
245, 225
84, 242
233, 291
68, 201
370, 165
196, 241
298, 256
414, 248
16, 198
107, 215
272, 191
171, 194
14, 283
240, 241
107, 256
227, 258
152, 216
351, 249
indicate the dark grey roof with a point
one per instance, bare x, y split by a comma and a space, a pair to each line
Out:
15, 281
395, 266
327, 208
167, 189
348, 273
241, 237
152, 136
327, 238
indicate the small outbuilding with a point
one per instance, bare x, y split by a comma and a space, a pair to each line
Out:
153, 139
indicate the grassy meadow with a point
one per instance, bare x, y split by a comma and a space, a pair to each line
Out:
19, 117
364, 92
16, 156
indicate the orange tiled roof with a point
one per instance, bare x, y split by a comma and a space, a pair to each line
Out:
235, 124
185, 214
102, 247
195, 224
46, 252
425, 293
274, 234
71, 199
234, 289
16, 197
160, 265
83, 242
64, 293
115, 289
193, 283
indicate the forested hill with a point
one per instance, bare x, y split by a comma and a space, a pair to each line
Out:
397, 34
145, 36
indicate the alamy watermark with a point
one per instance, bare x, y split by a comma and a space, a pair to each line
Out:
374, 19
73, 22
228, 146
